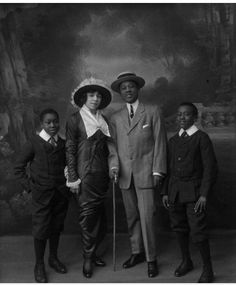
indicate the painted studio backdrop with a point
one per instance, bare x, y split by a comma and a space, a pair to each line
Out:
184, 51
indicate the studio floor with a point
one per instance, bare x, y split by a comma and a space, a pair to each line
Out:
17, 260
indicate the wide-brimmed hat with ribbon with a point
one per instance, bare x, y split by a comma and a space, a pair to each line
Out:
91, 84
127, 76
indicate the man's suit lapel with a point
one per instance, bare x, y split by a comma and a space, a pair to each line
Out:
125, 118
137, 117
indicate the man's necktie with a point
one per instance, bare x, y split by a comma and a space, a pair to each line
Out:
131, 112
52, 141
184, 135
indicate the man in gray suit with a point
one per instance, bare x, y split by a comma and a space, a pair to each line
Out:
140, 138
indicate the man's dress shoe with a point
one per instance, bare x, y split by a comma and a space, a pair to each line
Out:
40, 274
184, 268
152, 269
133, 260
56, 264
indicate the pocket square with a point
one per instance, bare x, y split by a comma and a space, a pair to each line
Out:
144, 126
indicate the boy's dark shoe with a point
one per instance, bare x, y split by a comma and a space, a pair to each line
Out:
207, 275
99, 262
40, 273
184, 268
133, 260
56, 264
186, 265
152, 269
87, 268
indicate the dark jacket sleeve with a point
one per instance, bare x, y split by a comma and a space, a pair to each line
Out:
210, 168
71, 148
20, 169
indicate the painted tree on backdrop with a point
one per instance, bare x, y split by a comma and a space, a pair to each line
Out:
14, 86
194, 43
36, 71
17, 117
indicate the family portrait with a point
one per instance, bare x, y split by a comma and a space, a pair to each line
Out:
117, 142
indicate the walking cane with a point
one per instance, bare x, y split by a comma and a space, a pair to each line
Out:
114, 220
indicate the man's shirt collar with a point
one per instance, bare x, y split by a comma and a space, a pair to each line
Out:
134, 105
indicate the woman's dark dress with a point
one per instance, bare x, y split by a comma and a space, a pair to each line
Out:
87, 159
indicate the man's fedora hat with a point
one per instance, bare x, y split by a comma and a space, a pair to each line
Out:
127, 76
91, 84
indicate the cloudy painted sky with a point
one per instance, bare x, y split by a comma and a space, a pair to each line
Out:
156, 41
112, 52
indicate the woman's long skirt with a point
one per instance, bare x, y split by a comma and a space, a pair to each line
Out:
92, 216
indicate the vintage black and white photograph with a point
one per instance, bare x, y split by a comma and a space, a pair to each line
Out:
117, 142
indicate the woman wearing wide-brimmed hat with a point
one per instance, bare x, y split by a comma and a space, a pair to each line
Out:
89, 159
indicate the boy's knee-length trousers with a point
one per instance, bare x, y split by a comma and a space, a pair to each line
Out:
184, 219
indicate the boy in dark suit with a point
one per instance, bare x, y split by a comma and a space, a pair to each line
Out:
45, 154
192, 172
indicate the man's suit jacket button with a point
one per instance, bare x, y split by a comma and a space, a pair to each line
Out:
179, 158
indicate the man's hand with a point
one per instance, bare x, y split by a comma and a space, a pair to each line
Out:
114, 174
157, 180
200, 205
165, 201
75, 190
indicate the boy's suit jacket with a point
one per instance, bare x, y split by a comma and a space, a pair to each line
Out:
46, 167
141, 145
192, 167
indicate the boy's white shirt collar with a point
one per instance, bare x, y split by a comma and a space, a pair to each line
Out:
45, 136
190, 131
93, 122
135, 106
